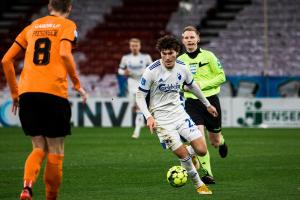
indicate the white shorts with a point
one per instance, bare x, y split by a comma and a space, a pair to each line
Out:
170, 134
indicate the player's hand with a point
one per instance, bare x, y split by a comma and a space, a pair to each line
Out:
151, 124
212, 110
126, 72
83, 95
15, 106
185, 88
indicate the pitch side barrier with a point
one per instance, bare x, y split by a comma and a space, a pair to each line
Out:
117, 112
262, 86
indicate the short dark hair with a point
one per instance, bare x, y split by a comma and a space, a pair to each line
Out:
168, 42
60, 5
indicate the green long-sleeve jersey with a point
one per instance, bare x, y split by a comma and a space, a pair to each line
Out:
207, 71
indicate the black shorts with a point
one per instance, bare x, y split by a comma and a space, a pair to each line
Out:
199, 114
45, 114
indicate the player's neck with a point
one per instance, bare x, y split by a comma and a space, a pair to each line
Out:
193, 54
135, 53
59, 14
192, 50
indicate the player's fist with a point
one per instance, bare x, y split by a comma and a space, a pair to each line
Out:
15, 105
212, 110
151, 124
83, 94
126, 72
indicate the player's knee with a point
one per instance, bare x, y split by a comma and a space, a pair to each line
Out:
57, 148
201, 151
215, 142
40, 146
215, 139
40, 143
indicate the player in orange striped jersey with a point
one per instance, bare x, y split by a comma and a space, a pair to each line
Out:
42, 92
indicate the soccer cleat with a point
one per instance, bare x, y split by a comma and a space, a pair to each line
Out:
207, 179
135, 136
223, 150
203, 189
196, 162
26, 194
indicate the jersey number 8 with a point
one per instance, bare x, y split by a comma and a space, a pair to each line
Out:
42, 51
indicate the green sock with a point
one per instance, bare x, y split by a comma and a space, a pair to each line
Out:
205, 164
222, 140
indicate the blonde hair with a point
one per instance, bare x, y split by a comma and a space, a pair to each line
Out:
191, 28
136, 40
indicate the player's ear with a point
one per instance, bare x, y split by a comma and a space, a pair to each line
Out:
69, 8
50, 8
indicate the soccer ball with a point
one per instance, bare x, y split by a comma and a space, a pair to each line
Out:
177, 176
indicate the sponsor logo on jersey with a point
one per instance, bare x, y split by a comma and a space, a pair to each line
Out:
169, 87
202, 64
76, 34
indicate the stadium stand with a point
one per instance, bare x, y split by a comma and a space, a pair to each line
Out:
232, 29
189, 12
106, 29
107, 42
241, 46
12, 14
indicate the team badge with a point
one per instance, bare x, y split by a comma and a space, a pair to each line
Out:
179, 76
143, 81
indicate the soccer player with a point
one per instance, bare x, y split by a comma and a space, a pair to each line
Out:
209, 75
132, 66
166, 115
41, 93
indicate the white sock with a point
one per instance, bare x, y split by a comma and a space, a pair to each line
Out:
139, 123
190, 150
191, 170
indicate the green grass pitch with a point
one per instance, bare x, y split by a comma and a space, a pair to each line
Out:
106, 164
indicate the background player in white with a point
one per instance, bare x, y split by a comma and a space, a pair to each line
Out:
132, 66
166, 115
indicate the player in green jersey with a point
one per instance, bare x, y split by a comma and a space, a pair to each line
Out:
209, 75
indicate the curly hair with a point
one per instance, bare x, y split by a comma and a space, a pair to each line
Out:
168, 42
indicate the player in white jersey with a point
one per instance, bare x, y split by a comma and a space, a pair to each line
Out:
166, 115
132, 66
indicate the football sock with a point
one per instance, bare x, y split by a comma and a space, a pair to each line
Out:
205, 163
53, 175
139, 122
191, 170
32, 166
222, 140
190, 150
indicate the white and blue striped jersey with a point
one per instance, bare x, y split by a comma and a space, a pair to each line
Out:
135, 64
164, 87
